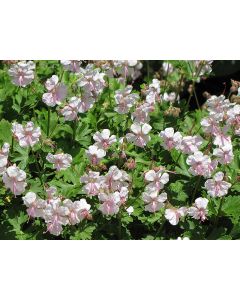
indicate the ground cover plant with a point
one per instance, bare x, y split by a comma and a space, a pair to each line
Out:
118, 150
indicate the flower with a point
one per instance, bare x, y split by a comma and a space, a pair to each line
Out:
60, 161
221, 138
71, 110
125, 100
114, 180
27, 135
56, 215
130, 210
71, 65
103, 139
158, 180
216, 187
154, 201
56, 91
173, 215
140, 135
4, 157
92, 183
199, 210
167, 68
109, 204
22, 73
201, 164
78, 210
210, 124
170, 139
95, 154
34, 204
14, 179
224, 154
141, 113
190, 144
171, 97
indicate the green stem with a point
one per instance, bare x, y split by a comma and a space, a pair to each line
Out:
159, 229
219, 211
119, 226
196, 187
178, 157
74, 131
48, 124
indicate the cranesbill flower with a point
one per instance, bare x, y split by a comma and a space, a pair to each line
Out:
190, 144
158, 180
60, 161
115, 179
110, 203
56, 91
224, 154
140, 136
70, 111
221, 138
4, 157
199, 210
173, 215
141, 113
95, 154
27, 135
125, 100
171, 97
104, 139
217, 187
14, 179
35, 205
210, 124
170, 139
154, 201
22, 73
92, 183
71, 65
78, 210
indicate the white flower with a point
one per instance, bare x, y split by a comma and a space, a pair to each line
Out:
34, 204
224, 154
216, 187
60, 161
140, 135
154, 201
125, 100
22, 73
173, 215
95, 154
109, 204
103, 139
71, 65
199, 210
71, 110
158, 180
14, 179
170, 139
56, 91
130, 210
27, 135
4, 157
92, 183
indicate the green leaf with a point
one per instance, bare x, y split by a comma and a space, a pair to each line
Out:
5, 131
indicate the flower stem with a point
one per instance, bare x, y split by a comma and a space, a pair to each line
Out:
74, 131
119, 226
196, 187
219, 211
159, 229
48, 124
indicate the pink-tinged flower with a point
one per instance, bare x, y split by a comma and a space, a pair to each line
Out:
56, 91
95, 154
125, 100
130, 210
170, 139
158, 180
224, 154
27, 135
34, 204
171, 97
60, 161
201, 164
216, 187
123, 195
140, 136
141, 113
71, 110
22, 73
167, 68
154, 201
210, 124
91, 80
173, 215
233, 119
71, 65
14, 179
4, 157
52, 194
56, 215
199, 210
127, 68
190, 144
78, 210
103, 139
218, 106
92, 183
221, 138
110, 203
153, 92
115, 179
86, 103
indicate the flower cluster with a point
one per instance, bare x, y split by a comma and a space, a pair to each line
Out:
56, 92
27, 135
55, 211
